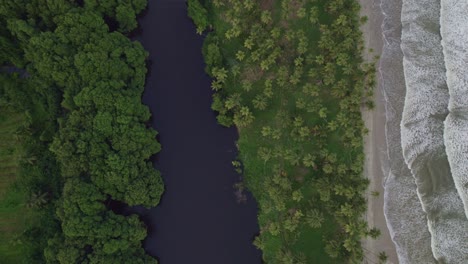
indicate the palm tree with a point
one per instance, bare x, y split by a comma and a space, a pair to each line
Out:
249, 4
31, 160
275, 33
374, 233
260, 102
265, 154
315, 219
240, 55
36, 200
314, 15
266, 17
246, 85
259, 242
285, 257
220, 74
332, 247
241, 120
383, 257
216, 85
233, 101
301, 12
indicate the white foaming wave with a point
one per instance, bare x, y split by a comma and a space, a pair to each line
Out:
454, 30
405, 218
422, 128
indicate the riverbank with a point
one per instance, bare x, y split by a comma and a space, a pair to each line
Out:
375, 142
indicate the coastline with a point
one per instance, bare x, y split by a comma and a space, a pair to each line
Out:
406, 220
375, 141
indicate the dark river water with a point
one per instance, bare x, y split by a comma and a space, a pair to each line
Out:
199, 219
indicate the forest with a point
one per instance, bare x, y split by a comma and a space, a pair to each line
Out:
289, 75
72, 80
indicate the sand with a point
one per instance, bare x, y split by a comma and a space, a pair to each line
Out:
375, 142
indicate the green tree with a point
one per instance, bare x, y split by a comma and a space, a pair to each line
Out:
314, 218
199, 15
383, 257
374, 233
126, 17
37, 200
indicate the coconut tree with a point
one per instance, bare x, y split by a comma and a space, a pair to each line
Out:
314, 15
285, 257
260, 102
374, 233
37, 200
383, 257
265, 17
314, 218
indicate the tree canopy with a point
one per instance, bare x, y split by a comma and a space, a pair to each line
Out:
87, 143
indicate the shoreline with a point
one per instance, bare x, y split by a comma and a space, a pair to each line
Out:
375, 144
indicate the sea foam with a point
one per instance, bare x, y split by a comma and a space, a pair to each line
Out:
406, 220
422, 129
454, 30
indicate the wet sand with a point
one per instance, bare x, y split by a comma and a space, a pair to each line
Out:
375, 142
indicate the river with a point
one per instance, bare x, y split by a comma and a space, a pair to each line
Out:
199, 219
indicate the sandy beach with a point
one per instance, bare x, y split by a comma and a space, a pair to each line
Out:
375, 142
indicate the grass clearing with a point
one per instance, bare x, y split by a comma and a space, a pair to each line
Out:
13, 214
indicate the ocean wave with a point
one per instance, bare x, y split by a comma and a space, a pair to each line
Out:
422, 128
406, 220
454, 30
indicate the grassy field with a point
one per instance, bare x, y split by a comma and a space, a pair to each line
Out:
13, 214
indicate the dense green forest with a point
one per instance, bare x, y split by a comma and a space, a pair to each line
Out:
289, 75
75, 79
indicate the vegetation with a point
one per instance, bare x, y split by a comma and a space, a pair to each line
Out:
199, 15
13, 216
84, 138
290, 76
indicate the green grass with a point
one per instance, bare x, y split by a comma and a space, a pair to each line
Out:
257, 172
13, 214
